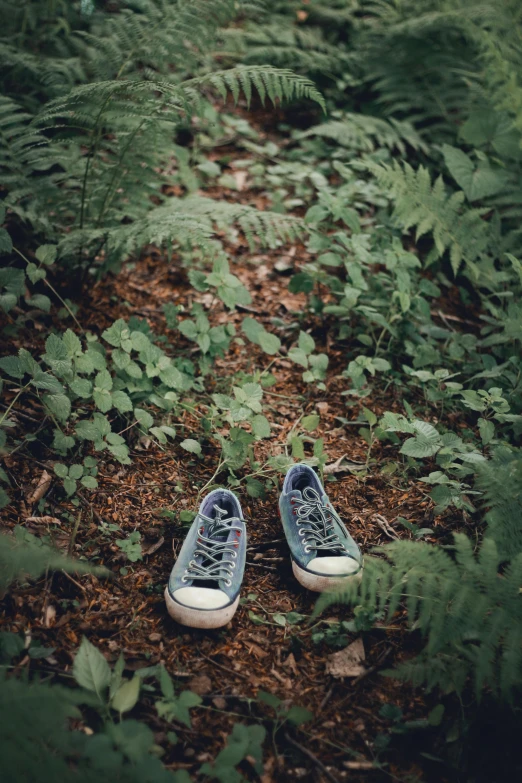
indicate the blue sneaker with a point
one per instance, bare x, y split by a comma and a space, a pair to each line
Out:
203, 589
323, 552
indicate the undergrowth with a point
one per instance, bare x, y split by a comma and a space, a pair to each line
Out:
410, 197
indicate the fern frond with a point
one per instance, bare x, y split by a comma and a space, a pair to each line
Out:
460, 232
22, 555
469, 612
500, 481
365, 133
91, 104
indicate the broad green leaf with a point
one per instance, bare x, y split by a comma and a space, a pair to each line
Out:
255, 488
477, 180
260, 426
310, 422
144, 418
118, 335
127, 695
270, 343
60, 469
121, 401
298, 356
46, 254
191, 445
89, 482
306, 342
487, 431
299, 715
91, 670
59, 405
253, 329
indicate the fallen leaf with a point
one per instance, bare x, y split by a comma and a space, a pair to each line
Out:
42, 487
342, 464
240, 178
322, 407
256, 649
154, 637
347, 662
201, 684
154, 547
291, 664
49, 616
44, 520
219, 703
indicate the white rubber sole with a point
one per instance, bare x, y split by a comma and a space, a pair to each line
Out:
320, 583
200, 618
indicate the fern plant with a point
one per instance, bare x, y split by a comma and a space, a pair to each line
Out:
466, 607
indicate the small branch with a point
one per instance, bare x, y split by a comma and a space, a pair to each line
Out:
313, 759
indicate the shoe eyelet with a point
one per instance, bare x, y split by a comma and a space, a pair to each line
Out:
228, 583
234, 554
233, 565
307, 549
184, 579
301, 533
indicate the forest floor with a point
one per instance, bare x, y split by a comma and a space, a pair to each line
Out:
228, 667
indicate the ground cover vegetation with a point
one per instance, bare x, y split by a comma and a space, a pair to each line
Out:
236, 235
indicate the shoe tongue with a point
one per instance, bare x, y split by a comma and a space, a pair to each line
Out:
217, 529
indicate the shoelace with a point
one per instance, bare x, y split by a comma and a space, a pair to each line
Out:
213, 552
320, 518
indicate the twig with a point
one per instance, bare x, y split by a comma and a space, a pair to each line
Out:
313, 759
372, 669
260, 565
74, 533
90, 506
385, 526
225, 668
325, 700
78, 585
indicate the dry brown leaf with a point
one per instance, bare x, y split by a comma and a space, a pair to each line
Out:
44, 520
347, 662
291, 664
49, 615
42, 487
343, 465
240, 177
201, 684
154, 547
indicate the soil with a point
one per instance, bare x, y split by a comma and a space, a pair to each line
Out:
126, 614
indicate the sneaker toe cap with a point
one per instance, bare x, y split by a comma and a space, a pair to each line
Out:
201, 597
333, 566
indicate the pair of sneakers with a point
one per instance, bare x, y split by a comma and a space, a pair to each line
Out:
203, 589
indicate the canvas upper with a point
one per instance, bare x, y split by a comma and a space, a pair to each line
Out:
210, 566
318, 539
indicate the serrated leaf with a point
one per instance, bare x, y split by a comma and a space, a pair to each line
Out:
270, 343
89, 482
260, 426
46, 254
118, 335
121, 401
487, 431
81, 387
144, 418
90, 669
59, 405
